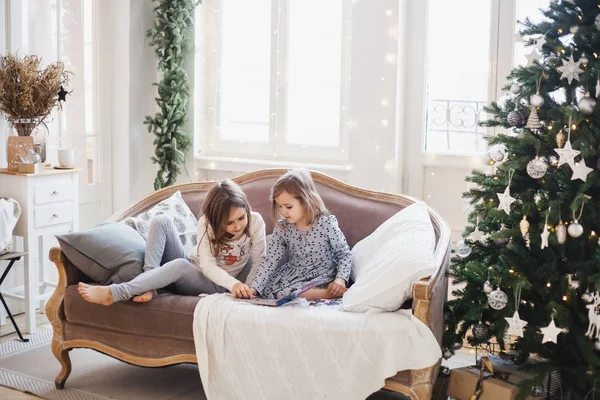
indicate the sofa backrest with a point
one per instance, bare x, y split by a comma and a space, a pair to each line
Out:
359, 212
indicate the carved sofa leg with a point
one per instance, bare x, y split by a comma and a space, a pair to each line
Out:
62, 355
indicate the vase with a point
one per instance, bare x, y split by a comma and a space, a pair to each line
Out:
36, 129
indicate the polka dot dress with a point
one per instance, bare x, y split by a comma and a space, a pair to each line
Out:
294, 258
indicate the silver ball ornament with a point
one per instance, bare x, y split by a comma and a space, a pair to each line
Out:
575, 229
515, 119
497, 299
487, 287
586, 105
583, 59
462, 249
536, 100
481, 332
515, 88
457, 345
597, 22
537, 168
502, 242
498, 152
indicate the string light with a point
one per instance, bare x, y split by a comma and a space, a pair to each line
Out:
384, 122
564, 298
388, 13
548, 284
384, 102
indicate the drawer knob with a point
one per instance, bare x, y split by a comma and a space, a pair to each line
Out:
54, 215
54, 193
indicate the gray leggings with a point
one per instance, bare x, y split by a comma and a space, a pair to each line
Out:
165, 264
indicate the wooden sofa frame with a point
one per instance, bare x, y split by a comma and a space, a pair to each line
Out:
429, 295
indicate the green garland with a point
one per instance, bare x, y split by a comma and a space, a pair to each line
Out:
170, 34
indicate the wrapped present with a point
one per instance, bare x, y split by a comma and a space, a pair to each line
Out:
504, 365
463, 385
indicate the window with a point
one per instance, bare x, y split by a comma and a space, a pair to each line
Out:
274, 78
63, 30
458, 69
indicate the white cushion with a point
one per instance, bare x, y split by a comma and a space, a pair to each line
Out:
388, 261
178, 211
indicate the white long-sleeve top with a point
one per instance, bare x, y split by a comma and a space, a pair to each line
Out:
226, 266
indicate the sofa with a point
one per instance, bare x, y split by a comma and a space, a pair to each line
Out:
159, 333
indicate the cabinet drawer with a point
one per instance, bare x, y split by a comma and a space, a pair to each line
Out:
52, 214
51, 192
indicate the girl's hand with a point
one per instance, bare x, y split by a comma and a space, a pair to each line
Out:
242, 291
253, 292
337, 288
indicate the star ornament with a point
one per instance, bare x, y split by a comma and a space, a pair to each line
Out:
567, 155
62, 94
540, 43
545, 236
515, 325
580, 171
533, 56
505, 200
570, 69
551, 332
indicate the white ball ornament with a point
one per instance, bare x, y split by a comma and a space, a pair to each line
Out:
537, 168
574, 29
575, 229
536, 100
497, 299
487, 287
515, 88
498, 152
583, 59
586, 105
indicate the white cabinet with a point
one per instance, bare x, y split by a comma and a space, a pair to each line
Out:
49, 202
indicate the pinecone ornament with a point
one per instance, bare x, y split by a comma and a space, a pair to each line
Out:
560, 139
524, 225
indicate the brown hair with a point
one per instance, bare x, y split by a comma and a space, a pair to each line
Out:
299, 183
220, 200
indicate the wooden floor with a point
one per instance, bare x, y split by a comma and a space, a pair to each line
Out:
42, 324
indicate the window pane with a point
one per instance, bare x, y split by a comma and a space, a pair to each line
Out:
314, 72
458, 56
244, 71
526, 9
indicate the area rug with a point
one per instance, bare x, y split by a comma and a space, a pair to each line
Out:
31, 367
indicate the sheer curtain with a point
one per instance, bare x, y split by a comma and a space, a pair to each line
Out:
52, 30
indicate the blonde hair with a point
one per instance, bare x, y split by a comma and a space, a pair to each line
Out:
299, 184
220, 200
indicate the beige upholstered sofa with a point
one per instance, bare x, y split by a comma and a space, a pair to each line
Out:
159, 333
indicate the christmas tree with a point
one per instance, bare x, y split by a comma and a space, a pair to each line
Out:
528, 267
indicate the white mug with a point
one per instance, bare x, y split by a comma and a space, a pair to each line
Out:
66, 158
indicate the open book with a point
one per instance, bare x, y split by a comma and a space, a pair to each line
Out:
286, 299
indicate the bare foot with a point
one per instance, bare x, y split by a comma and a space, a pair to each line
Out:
95, 294
145, 297
316, 294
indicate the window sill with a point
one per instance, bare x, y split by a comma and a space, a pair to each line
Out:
249, 164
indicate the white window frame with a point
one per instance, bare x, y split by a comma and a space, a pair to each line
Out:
207, 87
501, 58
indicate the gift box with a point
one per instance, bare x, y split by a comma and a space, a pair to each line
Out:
549, 386
464, 380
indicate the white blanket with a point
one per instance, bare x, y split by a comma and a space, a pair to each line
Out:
10, 211
247, 351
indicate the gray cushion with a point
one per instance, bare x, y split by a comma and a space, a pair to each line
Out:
109, 253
